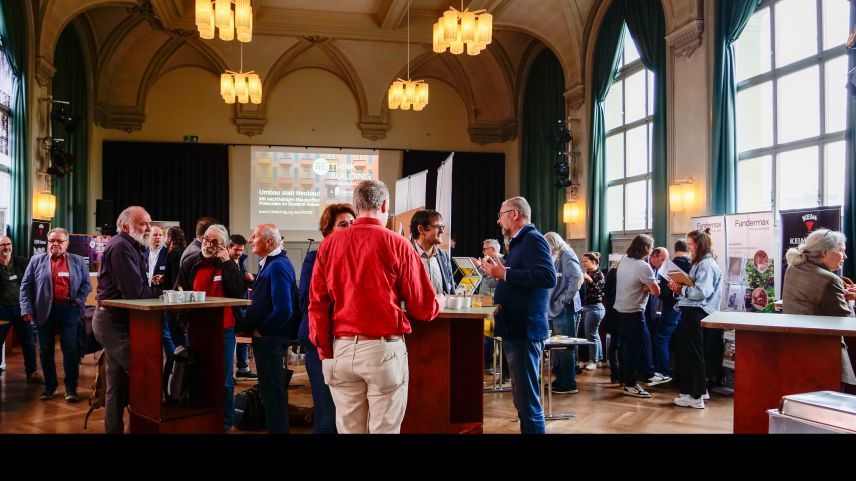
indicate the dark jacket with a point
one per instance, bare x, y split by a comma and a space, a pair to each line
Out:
525, 293
20, 264
173, 264
232, 279
271, 310
667, 297
160, 264
123, 273
303, 292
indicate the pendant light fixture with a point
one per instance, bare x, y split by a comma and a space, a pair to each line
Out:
243, 87
459, 30
404, 94
211, 14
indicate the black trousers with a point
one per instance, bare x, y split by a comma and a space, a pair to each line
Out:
691, 352
714, 350
632, 345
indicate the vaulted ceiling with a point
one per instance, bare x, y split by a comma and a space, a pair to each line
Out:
131, 44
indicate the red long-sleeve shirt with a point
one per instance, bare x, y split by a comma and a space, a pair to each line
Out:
361, 276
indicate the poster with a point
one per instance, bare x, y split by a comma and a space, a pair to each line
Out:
716, 223
797, 224
750, 236
90, 247
39, 237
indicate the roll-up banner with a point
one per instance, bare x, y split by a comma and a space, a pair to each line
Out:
750, 237
716, 224
797, 224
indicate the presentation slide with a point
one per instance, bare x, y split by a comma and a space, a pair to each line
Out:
291, 186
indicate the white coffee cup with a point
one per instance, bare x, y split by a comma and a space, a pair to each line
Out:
453, 302
199, 296
468, 302
177, 296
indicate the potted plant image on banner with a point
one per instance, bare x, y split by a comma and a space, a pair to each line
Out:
760, 278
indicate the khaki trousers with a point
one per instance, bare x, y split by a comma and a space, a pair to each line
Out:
368, 382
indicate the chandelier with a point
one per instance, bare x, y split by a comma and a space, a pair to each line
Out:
219, 14
245, 87
457, 28
404, 94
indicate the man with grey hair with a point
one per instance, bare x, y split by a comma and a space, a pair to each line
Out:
269, 319
12, 270
361, 276
53, 295
490, 250
123, 275
195, 247
213, 271
523, 291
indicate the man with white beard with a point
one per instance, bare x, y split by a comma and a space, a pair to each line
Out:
123, 275
213, 271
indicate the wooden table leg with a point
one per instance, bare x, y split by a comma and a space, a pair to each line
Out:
771, 365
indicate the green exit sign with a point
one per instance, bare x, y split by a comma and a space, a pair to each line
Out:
192, 139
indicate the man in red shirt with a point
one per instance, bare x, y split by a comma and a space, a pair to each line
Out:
213, 271
362, 275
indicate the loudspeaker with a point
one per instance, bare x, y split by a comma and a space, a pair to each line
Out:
105, 215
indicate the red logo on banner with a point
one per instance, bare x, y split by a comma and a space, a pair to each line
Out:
809, 225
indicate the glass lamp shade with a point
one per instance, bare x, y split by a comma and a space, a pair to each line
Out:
468, 27
45, 207
227, 85
439, 42
205, 19
395, 95
676, 197
571, 213
422, 93
243, 14
246, 35
450, 26
228, 34
457, 47
485, 26
255, 88
223, 13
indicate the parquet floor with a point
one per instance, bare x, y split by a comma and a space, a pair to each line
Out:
600, 407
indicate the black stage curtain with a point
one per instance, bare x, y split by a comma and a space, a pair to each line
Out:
478, 189
171, 181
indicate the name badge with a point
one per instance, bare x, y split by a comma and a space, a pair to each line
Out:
163, 268
62, 274
558, 274
12, 278
218, 278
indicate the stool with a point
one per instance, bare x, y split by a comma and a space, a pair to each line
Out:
496, 360
549, 345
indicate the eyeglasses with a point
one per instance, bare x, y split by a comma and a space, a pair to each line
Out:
5, 244
57, 241
439, 227
213, 243
498, 215
344, 223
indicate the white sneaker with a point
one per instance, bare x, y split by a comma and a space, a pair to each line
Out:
636, 391
658, 379
705, 396
591, 366
688, 401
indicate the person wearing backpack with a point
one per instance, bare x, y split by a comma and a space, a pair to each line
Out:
213, 271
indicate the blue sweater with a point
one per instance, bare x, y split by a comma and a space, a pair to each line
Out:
525, 293
305, 278
271, 310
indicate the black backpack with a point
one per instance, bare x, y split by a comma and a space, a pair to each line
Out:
249, 410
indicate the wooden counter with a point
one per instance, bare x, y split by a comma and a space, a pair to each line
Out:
205, 321
780, 354
445, 392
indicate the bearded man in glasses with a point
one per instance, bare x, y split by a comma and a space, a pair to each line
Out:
426, 233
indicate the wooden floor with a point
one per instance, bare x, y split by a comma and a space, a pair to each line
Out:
600, 407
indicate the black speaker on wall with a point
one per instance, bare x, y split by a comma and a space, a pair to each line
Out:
105, 216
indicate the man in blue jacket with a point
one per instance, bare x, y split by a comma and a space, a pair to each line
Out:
269, 320
53, 295
523, 291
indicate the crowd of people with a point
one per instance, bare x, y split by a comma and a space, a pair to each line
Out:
348, 309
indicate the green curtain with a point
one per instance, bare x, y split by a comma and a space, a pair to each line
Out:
731, 18
13, 32
69, 84
543, 107
606, 62
647, 25
849, 167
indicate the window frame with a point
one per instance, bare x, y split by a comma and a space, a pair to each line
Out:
819, 59
627, 70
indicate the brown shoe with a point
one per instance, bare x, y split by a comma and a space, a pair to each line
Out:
35, 377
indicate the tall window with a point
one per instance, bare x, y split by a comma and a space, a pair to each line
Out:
6, 82
629, 110
791, 105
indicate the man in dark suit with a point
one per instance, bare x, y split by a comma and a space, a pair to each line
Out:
11, 272
53, 295
426, 233
156, 254
523, 291
268, 319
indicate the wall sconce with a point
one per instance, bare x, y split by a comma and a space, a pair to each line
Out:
45, 206
571, 212
682, 195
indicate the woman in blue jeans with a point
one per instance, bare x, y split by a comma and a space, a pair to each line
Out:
593, 310
334, 218
564, 304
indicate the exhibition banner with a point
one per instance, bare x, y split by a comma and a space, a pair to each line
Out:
716, 224
751, 244
797, 224
39, 236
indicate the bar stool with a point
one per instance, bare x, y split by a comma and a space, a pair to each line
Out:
553, 343
496, 366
